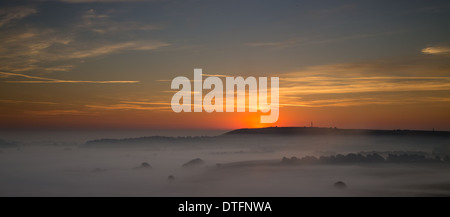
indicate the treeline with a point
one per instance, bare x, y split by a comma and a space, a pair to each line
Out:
148, 140
369, 158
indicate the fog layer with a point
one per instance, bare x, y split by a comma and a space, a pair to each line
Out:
230, 166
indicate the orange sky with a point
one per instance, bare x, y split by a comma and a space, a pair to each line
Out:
108, 65
368, 116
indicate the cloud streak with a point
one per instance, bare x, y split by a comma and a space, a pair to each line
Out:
362, 101
317, 39
128, 107
57, 112
42, 49
212, 75
377, 82
321, 85
9, 15
436, 50
102, 23
26, 102
44, 80
115, 48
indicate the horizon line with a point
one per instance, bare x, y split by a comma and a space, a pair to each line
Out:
205, 129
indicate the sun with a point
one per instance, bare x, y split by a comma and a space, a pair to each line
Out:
250, 120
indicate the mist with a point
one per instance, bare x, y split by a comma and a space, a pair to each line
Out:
227, 166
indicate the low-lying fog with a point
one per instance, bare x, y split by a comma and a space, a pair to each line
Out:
224, 167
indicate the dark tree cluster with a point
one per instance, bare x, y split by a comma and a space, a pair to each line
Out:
369, 158
194, 162
411, 158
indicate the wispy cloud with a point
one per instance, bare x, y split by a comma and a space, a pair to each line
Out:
317, 39
278, 44
57, 112
333, 85
26, 102
381, 82
33, 49
128, 107
286, 43
213, 75
206, 75
115, 48
378, 82
102, 23
361, 101
62, 68
8, 15
37, 79
436, 50
145, 103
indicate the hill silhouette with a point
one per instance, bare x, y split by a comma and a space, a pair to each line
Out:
275, 132
298, 131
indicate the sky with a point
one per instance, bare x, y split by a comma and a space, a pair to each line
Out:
108, 64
